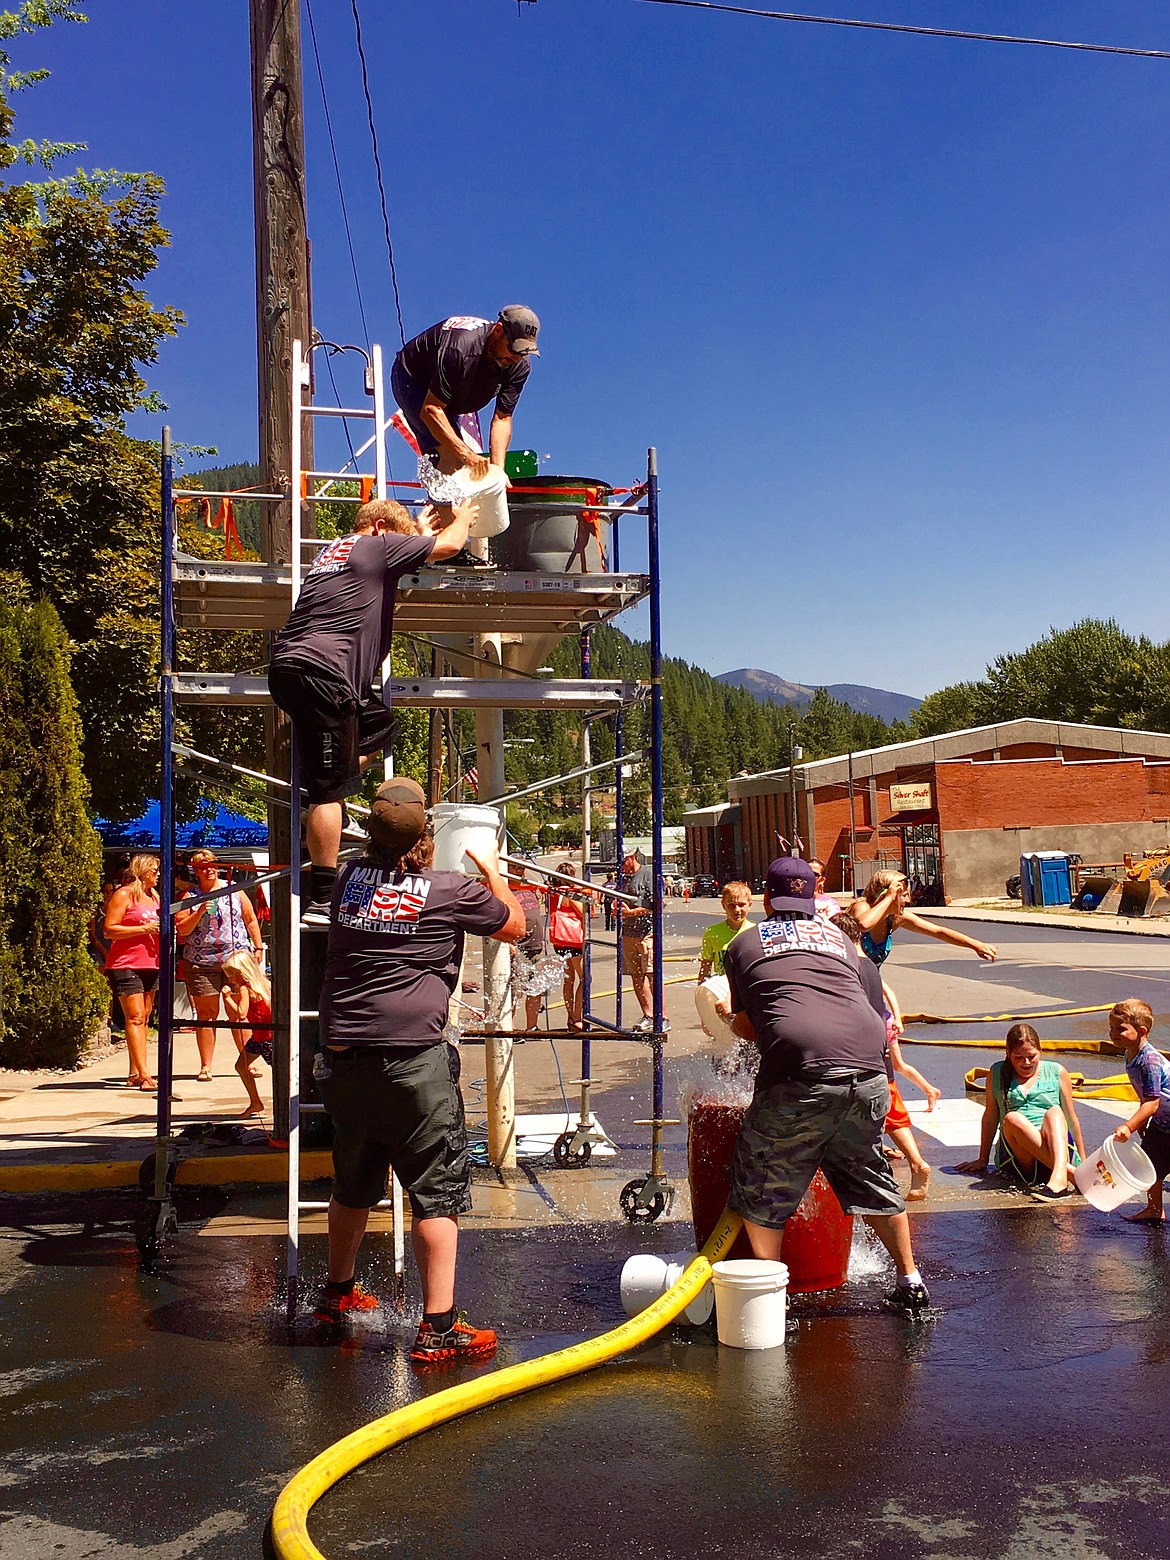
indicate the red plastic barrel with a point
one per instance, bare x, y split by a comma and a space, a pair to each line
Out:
816, 1238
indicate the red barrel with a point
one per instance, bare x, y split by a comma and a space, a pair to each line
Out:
816, 1238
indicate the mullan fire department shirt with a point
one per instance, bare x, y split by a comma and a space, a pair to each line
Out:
344, 616
799, 982
395, 946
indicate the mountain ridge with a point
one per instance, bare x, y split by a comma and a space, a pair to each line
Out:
770, 688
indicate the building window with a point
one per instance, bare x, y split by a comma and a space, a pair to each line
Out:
922, 862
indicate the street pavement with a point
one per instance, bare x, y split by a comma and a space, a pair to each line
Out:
157, 1415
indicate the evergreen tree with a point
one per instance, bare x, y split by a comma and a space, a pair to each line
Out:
50, 857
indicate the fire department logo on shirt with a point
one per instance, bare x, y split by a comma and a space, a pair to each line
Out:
332, 559
803, 936
371, 904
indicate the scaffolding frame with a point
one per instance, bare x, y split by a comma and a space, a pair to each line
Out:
196, 593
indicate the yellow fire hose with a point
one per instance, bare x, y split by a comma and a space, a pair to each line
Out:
1003, 1018
290, 1530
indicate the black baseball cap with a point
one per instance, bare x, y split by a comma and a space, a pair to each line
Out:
398, 818
791, 884
522, 328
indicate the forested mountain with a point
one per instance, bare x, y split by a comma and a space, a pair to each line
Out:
778, 690
710, 731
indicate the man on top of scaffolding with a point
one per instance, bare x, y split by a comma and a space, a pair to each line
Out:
443, 378
327, 655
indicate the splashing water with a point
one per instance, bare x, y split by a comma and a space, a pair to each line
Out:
868, 1258
727, 1079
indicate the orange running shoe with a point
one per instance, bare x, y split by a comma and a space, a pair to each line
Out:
332, 1307
461, 1341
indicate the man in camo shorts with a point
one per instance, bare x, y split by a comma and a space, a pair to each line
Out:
821, 1093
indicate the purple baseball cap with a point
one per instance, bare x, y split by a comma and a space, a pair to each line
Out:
791, 884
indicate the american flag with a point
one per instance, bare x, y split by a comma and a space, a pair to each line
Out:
472, 778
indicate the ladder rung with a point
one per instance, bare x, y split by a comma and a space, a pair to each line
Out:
320, 1207
336, 411
309, 1108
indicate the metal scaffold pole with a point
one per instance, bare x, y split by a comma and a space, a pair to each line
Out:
497, 956
160, 1218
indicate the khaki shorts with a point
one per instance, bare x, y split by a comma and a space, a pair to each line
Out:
203, 980
637, 953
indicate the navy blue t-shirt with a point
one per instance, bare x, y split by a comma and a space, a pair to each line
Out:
799, 982
395, 947
344, 616
451, 361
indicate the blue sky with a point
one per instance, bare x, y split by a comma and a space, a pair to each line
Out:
892, 309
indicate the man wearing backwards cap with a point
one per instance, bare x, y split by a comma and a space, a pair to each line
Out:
387, 1076
457, 367
821, 1094
327, 655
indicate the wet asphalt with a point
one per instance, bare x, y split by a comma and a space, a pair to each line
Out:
158, 1415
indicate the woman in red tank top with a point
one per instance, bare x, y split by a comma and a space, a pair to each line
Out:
132, 963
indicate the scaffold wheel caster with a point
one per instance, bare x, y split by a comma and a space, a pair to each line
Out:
637, 1207
565, 1155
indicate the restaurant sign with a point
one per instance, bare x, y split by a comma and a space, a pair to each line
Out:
911, 798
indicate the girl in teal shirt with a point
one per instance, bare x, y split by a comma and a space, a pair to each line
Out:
1029, 1103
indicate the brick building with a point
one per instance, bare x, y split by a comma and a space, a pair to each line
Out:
956, 810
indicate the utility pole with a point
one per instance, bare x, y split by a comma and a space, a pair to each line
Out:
795, 754
852, 834
282, 315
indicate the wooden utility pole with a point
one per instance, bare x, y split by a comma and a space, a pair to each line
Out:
282, 316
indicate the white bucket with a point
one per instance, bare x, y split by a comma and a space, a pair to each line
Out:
456, 826
488, 494
1114, 1174
710, 991
751, 1303
645, 1278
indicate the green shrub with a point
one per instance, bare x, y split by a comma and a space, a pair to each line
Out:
51, 996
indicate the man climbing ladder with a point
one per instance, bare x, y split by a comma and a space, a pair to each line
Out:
327, 655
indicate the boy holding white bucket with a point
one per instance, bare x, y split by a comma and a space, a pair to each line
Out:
1149, 1073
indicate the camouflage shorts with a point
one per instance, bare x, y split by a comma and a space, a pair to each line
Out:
793, 1129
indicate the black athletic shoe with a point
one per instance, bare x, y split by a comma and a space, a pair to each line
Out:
316, 913
466, 559
913, 1299
1046, 1193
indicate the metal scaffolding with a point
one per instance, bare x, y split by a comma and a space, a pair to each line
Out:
510, 619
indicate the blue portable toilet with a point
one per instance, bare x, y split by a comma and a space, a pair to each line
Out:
1052, 878
1027, 887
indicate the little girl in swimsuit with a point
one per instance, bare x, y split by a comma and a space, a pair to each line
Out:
247, 1000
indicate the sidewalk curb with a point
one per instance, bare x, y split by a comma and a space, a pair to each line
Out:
263, 1167
1123, 926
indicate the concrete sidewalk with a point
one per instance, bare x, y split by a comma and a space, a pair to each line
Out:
1076, 920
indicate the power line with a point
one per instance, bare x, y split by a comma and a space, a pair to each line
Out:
340, 187
903, 27
357, 27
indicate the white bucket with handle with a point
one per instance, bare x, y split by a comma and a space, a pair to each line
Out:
1114, 1174
457, 825
751, 1303
488, 494
645, 1278
708, 994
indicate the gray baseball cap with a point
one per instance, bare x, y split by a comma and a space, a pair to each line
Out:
522, 327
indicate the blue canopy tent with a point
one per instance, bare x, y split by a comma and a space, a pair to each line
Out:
224, 830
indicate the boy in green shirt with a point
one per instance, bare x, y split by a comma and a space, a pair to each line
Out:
737, 902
